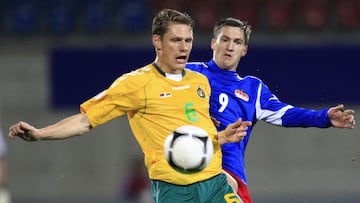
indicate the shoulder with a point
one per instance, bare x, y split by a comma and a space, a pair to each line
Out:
252, 82
142, 73
197, 66
136, 78
253, 79
195, 74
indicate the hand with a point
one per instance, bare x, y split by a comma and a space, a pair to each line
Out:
341, 118
25, 131
234, 132
216, 122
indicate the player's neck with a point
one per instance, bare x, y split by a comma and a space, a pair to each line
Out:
176, 77
171, 76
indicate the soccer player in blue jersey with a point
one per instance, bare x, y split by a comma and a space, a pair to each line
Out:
234, 96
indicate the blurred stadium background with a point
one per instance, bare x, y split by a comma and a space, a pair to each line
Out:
57, 18
54, 54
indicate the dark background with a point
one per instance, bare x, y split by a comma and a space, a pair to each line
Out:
323, 74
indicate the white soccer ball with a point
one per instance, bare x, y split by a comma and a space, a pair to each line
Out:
188, 149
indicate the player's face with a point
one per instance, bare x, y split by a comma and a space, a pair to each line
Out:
228, 47
174, 48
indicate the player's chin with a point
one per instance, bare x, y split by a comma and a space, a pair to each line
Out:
180, 65
181, 61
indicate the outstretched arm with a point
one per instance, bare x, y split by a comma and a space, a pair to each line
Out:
234, 132
75, 125
335, 116
341, 118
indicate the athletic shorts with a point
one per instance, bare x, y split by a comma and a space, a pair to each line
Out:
213, 190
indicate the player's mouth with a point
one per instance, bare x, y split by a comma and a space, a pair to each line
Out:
181, 59
228, 56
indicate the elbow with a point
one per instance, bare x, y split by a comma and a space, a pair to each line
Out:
84, 131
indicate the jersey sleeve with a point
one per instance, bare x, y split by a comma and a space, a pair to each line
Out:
300, 117
195, 66
121, 97
270, 109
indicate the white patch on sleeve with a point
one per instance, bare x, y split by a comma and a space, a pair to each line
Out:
273, 117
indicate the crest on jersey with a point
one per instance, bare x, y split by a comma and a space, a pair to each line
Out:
242, 95
201, 92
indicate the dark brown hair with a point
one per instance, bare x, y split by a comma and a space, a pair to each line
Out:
233, 22
167, 17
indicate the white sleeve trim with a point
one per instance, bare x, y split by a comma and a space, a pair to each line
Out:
273, 117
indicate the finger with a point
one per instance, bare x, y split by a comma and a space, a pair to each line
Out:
11, 135
351, 118
216, 122
241, 133
349, 125
348, 119
241, 136
21, 127
247, 123
339, 107
234, 126
243, 127
238, 123
349, 122
349, 112
13, 131
25, 126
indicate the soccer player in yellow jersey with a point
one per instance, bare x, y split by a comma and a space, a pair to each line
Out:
157, 99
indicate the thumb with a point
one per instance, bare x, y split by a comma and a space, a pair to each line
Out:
25, 126
238, 122
339, 107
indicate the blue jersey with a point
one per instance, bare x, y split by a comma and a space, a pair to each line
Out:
233, 97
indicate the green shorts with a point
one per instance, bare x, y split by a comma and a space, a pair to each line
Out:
213, 190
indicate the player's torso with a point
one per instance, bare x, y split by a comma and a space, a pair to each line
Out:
231, 97
166, 105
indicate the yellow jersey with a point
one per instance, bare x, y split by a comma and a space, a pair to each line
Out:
156, 106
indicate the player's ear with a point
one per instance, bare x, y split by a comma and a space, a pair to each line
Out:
244, 51
213, 43
156, 42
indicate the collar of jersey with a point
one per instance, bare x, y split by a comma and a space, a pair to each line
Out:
162, 72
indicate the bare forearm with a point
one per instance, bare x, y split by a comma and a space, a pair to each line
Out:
69, 127
75, 125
